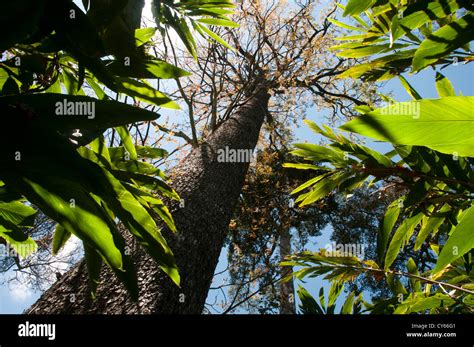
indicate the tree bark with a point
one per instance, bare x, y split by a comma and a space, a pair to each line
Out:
287, 289
210, 190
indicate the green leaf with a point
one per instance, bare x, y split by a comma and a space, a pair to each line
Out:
156, 204
334, 291
219, 22
151, 152
308, 303
388, 223
459, 242
420, 13
21, 243
178, 24
309, 183
410, 90
127, 141
355, 7
348, 305
430, 225
141, 224
346, 26
108, 113
443, 41
94, 265
216, 37
100, 147
300, 166
418, 303
146, 68
146, 93
401, 236
143, 35
15, 214
444, 86
10, 87
323, 188
61, 236
363, 51
85, 219
413, 269
450, 121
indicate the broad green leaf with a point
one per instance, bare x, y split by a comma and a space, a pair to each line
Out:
146, 93
143, 35
430, 225
146, 68
323, 188
80, 216
443, 41
450, 121
15, 213
151, 152
422, 12
99, 146
308, 303
21, 243
400, 237
156, 204
444, 86
216, 37
419, 303
348, 305
309, 183
395, 284
61, 236
107, 114
363, 51
219, 22
10, 87
400, 59
346, 26
94, 265
459, 242
127, 141
300, 166
355, 7
388, 223
408, 87
413, 269
334, 291
141, 224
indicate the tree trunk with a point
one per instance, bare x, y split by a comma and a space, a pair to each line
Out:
210, 190
287, 289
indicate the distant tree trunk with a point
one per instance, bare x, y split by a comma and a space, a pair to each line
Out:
210, 190
287, 289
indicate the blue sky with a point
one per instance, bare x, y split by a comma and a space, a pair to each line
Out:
14, 299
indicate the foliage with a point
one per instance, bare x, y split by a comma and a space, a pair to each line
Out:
53, 152
434, 167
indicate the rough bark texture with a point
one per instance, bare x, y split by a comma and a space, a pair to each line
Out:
210, 190
287, 289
